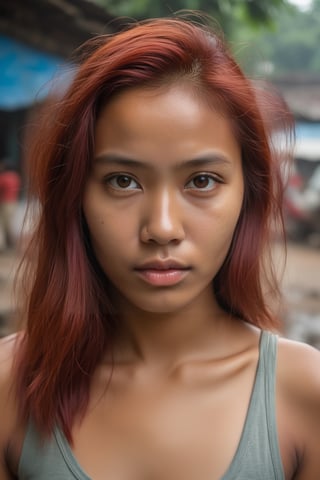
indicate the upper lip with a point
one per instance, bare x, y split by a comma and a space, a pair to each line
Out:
169, 264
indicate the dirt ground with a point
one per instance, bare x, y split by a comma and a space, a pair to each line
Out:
301, 294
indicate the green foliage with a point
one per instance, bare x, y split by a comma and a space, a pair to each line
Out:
224, 11
292, 46
267, 36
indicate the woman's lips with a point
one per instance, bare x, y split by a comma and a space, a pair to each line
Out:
162, 277
162, 273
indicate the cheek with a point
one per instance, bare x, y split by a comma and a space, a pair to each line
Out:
215, 240
215, 234
100, 234
109, 231
219, 222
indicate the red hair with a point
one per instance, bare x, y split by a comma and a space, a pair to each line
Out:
69, 320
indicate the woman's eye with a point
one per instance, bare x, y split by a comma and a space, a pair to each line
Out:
202, 182
123, 182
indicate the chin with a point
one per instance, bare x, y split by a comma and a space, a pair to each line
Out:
162, 306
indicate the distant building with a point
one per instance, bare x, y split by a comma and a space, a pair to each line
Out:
302, 94
37, 38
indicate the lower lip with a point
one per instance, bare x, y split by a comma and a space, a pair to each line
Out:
162, 278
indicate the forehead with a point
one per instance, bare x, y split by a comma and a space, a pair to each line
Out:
163, 123
171, 100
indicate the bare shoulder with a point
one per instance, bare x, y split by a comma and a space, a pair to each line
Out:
7, 403
8, 409
299, 369
7, 349
298, 380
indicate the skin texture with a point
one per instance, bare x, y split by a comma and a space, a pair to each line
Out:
170, 209
183, 374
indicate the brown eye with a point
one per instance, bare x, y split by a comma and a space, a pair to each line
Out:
202, 182
122, 182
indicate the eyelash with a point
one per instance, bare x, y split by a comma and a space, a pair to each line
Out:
115, 177
108, 180
208, 177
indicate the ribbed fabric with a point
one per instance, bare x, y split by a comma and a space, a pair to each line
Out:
258, 453
257, 456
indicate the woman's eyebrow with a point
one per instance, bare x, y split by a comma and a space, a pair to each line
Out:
202, 160
205, 160
111, 158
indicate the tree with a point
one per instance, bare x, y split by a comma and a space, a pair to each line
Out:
224, 11
291, 46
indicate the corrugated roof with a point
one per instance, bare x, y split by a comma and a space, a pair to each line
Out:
54, 26
302, 94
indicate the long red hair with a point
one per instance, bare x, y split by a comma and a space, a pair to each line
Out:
69, 317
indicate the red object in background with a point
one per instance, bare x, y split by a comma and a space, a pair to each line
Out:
9, 186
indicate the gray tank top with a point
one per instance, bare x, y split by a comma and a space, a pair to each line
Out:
257, 456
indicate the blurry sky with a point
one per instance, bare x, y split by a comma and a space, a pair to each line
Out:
303, 4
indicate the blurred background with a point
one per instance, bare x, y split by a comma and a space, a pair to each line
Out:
275, 41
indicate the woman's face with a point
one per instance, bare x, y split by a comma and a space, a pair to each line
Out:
163, 196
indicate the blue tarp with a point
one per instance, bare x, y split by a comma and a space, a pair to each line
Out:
27, 75
308, 130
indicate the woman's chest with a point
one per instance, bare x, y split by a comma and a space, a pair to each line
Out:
163, 434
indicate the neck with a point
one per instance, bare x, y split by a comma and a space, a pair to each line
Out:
171, 337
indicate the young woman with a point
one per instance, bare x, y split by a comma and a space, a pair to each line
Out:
147, 352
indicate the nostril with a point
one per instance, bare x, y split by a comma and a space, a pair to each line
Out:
161, 236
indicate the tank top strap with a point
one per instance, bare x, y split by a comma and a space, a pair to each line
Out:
269, 366
48, 458
257, 456
258, 453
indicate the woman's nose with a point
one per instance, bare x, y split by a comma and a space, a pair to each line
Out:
162, 222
